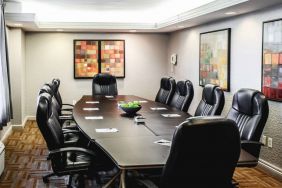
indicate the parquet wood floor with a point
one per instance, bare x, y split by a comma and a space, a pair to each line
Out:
25, 164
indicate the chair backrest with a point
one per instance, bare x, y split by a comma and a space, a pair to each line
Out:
48, 123
212, 102
204, 153
183, 95
56, 84
48, 88
250, 112
166, 90
104, 84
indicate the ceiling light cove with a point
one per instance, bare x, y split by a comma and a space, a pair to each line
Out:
230, 13
103, 11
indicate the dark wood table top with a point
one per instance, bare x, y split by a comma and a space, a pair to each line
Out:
113, 117
142, 152
136, 152
132, 147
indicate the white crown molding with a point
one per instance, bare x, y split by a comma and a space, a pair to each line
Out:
95, 25
20, 17
203, 10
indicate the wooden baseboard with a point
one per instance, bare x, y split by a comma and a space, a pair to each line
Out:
270, 169
7, 133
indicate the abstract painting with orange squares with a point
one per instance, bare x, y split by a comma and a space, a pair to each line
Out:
272, 60
214, 58
112, 57
99, 56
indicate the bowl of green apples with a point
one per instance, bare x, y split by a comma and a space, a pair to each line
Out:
131, 108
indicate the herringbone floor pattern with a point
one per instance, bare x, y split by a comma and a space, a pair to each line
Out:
25, 164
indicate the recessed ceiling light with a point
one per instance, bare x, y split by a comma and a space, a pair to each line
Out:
132, 30
18, 24
230, 13
59, 30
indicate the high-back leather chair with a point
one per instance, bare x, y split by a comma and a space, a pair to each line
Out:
212, 102
166, 90
104, 84
55, 85
204, 153
183, 95
64, 160
250, 112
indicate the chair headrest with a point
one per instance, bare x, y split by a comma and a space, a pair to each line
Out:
56, 81
46, 88
181, 88
104, 79
209, 93
167, 83
248, 101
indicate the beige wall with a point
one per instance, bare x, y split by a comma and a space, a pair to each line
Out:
50, 55
16, 43
246, 49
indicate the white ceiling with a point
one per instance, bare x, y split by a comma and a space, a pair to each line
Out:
123, 15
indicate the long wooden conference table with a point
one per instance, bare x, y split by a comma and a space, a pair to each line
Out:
132, 145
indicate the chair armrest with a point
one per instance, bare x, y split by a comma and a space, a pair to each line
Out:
252, 147
67, 109
247, 142
65, 104
70, 149
66, 131
65, 117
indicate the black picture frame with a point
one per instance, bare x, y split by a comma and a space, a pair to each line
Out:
271, 60
208, 60
92, 63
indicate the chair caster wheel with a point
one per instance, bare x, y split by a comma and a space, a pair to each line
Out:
45, 180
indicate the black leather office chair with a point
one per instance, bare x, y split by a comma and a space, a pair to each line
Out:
64, 160
204, 153
212, 102
64, 119
183, 95
250, 112
198, 155
55, 86
166, 90
104, 84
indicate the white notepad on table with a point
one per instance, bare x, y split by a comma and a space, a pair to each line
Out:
92, 102
90, 109
109, 96
107, 130
158, 108
171, 115
142, 101
94, 117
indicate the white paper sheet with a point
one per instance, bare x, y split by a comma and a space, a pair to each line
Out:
109, 96
171, 115
163, 142
92, 102
158, 108
90, 109
107, 130
94, 117
142, 101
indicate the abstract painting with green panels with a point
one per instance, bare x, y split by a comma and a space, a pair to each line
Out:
214, 58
